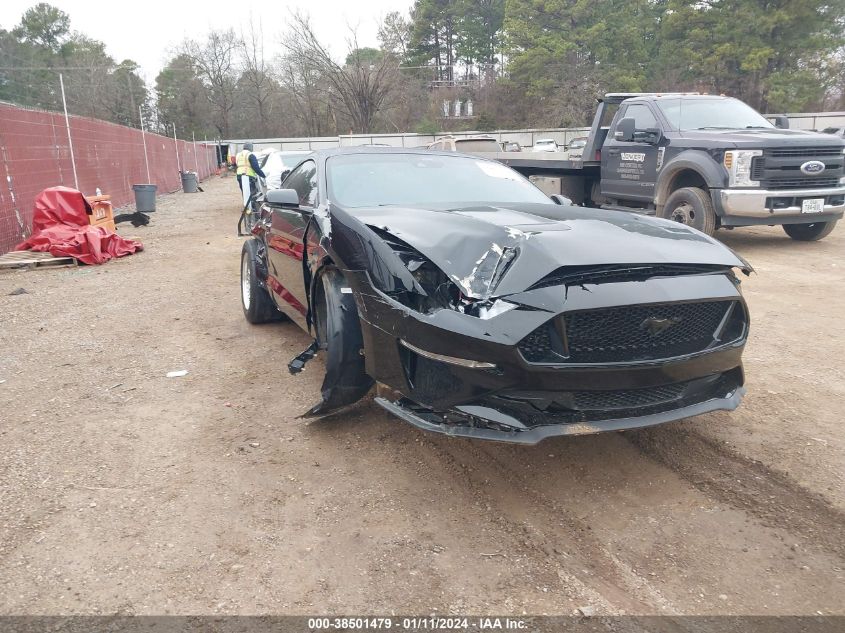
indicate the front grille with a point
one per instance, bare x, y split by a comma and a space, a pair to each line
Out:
802, 183
539, 408
627, 399
780, 169
810, 152
633, 333
537, 347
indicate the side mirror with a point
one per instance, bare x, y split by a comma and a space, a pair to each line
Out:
782, 122
625, 130
650, 135
282, 198
561, 200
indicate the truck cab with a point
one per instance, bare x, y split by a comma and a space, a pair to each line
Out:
709, 161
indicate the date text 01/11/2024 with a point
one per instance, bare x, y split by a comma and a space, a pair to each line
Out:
430, 623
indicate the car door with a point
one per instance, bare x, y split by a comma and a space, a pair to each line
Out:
285, 245
629, 168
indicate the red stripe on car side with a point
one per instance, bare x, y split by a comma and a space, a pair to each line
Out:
285, 294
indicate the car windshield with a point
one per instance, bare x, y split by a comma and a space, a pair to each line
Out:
367, 180
545, 142
711, 114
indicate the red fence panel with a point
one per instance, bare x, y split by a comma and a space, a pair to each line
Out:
35, 154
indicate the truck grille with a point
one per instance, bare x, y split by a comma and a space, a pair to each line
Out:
780, 169
633, 333
805, 152
802, 183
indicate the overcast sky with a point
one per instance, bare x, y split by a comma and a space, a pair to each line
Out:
147, 31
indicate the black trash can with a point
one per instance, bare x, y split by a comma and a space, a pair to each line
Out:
189, 182
145, 198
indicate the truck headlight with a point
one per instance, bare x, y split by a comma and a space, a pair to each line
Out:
738, 164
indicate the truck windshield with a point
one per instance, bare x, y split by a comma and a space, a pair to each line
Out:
711, 114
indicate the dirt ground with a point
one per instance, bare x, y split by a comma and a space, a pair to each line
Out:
123, 491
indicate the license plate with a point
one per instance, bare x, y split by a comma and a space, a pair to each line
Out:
813, 205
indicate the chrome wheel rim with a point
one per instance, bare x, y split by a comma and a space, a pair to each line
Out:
245, 281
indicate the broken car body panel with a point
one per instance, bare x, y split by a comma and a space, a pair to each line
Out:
517, 321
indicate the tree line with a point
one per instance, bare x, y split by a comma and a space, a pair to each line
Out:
522, 63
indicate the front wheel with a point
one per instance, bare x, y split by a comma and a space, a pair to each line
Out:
339, 334
809, 232
691, 206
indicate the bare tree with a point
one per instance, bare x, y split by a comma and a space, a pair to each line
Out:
308, 93
215, 62
255, 77
360, 87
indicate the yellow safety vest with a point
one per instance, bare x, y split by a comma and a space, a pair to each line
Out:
242, 161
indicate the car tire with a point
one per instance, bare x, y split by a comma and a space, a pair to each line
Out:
809, 232
256, 301
691, 206
338, 332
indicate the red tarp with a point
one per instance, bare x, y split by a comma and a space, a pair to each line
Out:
60, 227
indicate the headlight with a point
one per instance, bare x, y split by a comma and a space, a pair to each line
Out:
738, 164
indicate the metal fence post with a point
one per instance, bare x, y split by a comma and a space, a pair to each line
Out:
69, 139
176, 144
207, 156
144, 139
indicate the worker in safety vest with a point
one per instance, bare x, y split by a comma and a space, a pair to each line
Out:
247, 171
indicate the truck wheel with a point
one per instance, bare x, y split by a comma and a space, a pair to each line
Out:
691, 206
809, 232
255, 299
339, 334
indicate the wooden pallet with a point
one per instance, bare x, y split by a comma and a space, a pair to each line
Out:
32, 259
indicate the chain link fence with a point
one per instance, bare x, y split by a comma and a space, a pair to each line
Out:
36, 154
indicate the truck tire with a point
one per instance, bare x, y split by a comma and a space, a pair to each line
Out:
691, 206
339, 334
809, 232
255, 299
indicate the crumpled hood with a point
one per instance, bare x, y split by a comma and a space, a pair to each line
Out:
514, 246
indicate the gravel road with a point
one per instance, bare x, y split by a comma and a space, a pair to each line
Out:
124, 491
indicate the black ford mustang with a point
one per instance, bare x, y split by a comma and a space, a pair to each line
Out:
479, 307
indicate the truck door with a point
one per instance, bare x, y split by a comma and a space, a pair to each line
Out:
629, 168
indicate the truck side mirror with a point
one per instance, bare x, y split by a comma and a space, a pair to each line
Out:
782, 122
650, 135
625, 130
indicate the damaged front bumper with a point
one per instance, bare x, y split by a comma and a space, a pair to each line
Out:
468, 377
503, 423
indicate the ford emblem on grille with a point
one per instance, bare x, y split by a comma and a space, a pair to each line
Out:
813, 167
656, 326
